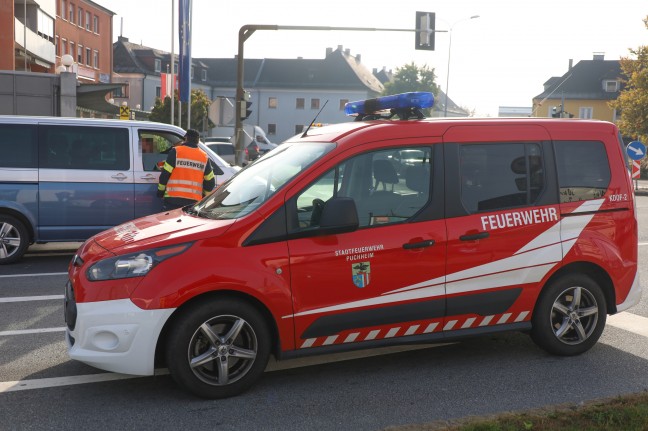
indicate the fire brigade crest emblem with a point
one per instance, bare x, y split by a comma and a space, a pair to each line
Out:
360, 272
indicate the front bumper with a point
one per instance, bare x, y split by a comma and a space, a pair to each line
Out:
115, 335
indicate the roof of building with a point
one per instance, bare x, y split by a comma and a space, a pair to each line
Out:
583, 81
338, 70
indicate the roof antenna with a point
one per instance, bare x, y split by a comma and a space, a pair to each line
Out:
313, 122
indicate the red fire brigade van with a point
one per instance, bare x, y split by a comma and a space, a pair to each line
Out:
388, 230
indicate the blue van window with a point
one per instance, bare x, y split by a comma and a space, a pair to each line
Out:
84, 147
18, 146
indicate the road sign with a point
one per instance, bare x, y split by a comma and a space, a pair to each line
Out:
636, 169
636, 150
124, 113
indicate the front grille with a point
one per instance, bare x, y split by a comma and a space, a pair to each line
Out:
69, 307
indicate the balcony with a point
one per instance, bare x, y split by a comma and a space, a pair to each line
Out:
41, 49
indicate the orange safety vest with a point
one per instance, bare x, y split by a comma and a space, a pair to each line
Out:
186, 180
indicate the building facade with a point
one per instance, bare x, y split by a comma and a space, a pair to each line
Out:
286, 94
84, 30
584, 91
27, 40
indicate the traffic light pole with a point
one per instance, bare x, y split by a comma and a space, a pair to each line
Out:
244, 34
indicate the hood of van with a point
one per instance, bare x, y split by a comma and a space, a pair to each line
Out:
160, 227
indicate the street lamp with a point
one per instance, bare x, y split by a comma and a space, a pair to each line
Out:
445, 109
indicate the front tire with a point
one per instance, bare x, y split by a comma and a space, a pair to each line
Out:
219, 348
569, 316
14, 239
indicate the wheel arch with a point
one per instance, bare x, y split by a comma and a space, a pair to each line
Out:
597, 273
216, 295
23, 218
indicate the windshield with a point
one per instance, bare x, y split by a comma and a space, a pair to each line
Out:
256, 183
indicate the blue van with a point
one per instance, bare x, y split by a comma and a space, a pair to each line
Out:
66, 179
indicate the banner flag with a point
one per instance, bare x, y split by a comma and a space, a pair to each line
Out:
184, 60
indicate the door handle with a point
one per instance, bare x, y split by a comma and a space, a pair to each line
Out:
422, 244
474, 236
119, 176
149, 177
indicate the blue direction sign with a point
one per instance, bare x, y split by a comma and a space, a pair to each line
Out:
636, 150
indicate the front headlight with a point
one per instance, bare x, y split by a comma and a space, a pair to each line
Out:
133, 265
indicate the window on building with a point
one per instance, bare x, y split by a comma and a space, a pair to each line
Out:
203, 75
315, 103
272, 103
64, 47
87, 21
586, 112
121, 92
158, 65
583, 170
192, 72
71, 13
63, 9
79, 54
71, 49
45, 26
299, 128
95, 59
80, 15
343, 103
158, 92
499, 176
57, 46
299, 103
95, 22
272, 129
611, 86
88, 56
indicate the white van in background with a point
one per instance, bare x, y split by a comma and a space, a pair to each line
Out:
66, 179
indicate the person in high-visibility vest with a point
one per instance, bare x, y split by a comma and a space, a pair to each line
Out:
187, 174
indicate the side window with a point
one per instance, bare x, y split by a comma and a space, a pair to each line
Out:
387, 186
583, 170
154, 147
499, 176
78, 147
18, 146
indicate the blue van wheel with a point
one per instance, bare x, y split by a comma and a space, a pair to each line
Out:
14, 239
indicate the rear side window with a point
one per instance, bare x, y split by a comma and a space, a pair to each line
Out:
583, 170
500, 176
75, 147
18, 146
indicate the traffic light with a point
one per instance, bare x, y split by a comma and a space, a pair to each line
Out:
246, 105
424, 35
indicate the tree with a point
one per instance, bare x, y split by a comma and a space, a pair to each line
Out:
412, 78
633, 99
409, 78
161, 112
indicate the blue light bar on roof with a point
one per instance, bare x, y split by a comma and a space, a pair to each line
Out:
416, 99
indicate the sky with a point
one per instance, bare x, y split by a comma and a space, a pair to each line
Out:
501, 58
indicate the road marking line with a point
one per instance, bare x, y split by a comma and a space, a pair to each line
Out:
40, 274
630, 322
32, 298
24, 385
31, 331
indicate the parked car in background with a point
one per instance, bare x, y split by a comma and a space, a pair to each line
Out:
66, 179
223, 147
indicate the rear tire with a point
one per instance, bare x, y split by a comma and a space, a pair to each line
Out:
569, 316
218, 348
14, 239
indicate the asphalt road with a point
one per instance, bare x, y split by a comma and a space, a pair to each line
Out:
41, 389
